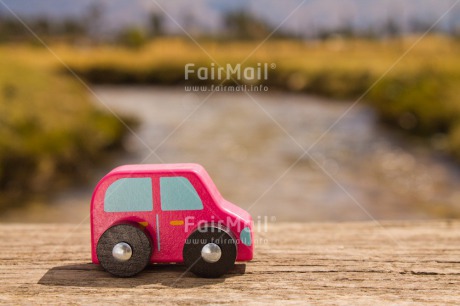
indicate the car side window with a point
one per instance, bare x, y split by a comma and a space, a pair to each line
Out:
129, 194
177, 193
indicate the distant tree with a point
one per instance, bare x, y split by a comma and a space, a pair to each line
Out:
12, 30
391, 28
132, 37
156, 24
417, 25
190, 23
345, 30
369, 33
41, 26
92, 19
244, 25
72, 27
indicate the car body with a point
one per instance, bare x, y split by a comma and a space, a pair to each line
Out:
168, 202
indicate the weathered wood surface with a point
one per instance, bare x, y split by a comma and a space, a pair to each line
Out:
341, 263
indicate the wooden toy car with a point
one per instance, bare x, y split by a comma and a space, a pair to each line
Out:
166, 213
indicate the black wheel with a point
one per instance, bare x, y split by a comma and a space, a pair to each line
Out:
124, 250
209, 252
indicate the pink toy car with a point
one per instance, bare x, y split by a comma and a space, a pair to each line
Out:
143, 214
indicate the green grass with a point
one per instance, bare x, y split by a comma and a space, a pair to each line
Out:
50, 131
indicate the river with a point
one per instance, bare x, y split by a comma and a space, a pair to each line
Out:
252, 147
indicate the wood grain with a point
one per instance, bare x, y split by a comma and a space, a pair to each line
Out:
340, 263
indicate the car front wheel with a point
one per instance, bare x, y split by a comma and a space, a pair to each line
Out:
209, 252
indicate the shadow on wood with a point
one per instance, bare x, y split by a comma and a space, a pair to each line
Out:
91, 275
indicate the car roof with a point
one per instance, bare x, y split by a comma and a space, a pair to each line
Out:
158, 168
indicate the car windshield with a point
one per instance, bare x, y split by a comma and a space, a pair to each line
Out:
210, 186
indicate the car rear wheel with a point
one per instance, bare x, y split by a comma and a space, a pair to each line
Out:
124, 250
209, 252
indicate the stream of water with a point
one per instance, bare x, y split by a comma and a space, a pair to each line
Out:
254, 149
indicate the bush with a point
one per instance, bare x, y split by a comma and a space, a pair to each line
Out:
50, 131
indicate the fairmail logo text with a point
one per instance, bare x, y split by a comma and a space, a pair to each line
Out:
228, 72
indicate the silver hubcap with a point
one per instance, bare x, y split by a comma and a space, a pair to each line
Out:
122, 251
211, 252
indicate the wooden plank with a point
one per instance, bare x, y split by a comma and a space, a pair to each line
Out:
340, 263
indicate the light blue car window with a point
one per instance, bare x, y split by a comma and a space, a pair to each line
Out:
129, 194
177, 193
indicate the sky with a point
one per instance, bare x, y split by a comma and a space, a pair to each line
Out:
300, 16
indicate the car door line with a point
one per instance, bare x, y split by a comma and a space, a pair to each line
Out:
158, 232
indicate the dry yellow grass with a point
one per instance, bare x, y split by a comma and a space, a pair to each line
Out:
374, 56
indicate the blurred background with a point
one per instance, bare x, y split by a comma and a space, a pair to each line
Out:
361, 118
